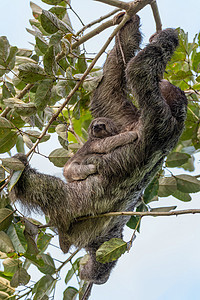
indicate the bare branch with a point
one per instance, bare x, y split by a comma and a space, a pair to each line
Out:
144, 214
98, 20
67, 260
92, 33
156, 15
87, 291
120, 4
20, 96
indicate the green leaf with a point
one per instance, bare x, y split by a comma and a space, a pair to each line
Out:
72, 271
81, 63
59, 157
70, 293
44, 287
151, 191
52, 24
49, 61
5, 127
10, 62
27, 141
76, 111
61, 130
133, 221
43, 241
25, 109
6, 217
167, 186
49, 22
49, 266
34, 134
163, 209
4, 295
2, 174
15, 232
52, 2
12, 163
8, 142
35, 259
182, 196
187, 184
31, 73
43, 94
11, 265
15, 177
36, 10
41, 44
20, 144
8, 90
196, 62
4, 54
180, 75
6, 244
5, 286
62, 88
111, 250
10, 102
21, 277
177, 159
59, 11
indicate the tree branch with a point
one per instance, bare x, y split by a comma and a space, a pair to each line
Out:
156, 15
67, 260
20, 96
143, 214
120, 4
92, 33
98, 20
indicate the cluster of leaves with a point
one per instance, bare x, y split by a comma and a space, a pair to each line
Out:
48, 74
40, 80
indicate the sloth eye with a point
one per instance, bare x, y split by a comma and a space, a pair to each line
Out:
99, 127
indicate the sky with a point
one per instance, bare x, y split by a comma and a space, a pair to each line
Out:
164, 262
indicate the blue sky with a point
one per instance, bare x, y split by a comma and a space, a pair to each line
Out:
164, 262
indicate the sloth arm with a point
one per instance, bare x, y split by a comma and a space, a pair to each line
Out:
79, 171
110, 97
110, 143
162, 119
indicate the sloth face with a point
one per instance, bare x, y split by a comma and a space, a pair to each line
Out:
101, 128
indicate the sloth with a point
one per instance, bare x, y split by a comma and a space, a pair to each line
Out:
124, 172
103, 138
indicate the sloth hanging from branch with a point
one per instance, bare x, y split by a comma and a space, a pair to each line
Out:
126, 148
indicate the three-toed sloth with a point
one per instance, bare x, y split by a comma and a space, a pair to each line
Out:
103, 138
123, 171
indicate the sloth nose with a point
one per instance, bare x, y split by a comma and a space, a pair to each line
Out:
99, 127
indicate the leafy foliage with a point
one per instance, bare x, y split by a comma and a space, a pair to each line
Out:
44, 77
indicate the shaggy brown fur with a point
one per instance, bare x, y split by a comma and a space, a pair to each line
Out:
103, 138
123, 173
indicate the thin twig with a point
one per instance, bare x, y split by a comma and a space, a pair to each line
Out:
19, 96
73, 131
143, 214
133, 235
67, 260
92, 33
156, 15
87, 292
98, 20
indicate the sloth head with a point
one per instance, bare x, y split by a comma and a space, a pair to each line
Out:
101, 128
